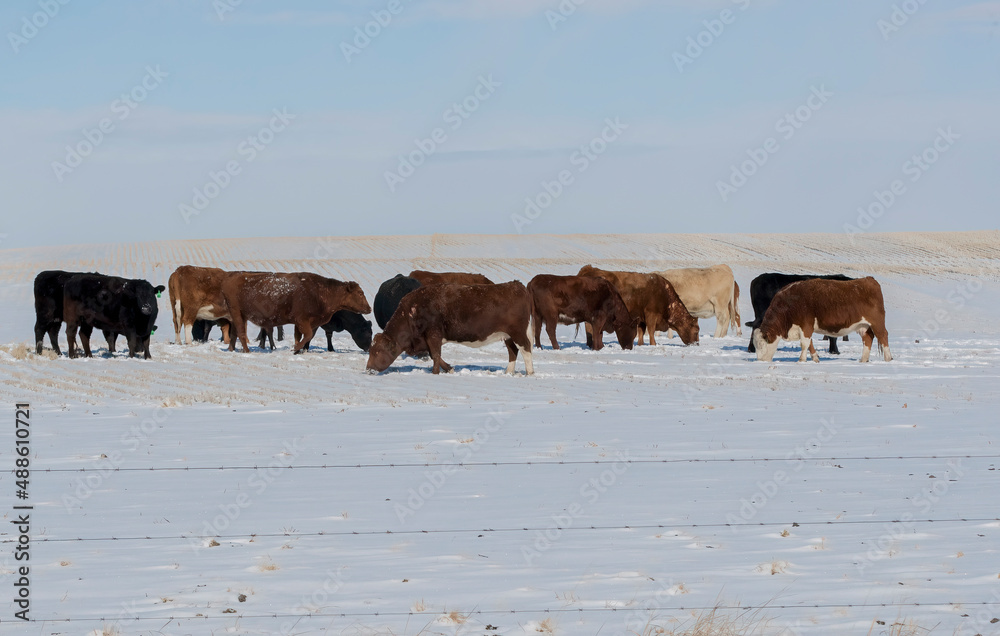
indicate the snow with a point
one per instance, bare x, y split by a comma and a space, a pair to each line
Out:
611, 492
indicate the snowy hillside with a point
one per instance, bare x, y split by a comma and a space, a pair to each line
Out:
614, 492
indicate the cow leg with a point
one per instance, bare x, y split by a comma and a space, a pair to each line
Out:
651, 323
145, 349
433, 342
188, 333
85, 332
39, 336
237, 320
833, 346
722, 322
281, 332
110, 336
71, 339
812, 351
883, 341
589, 329
54, 338
511, 355
329, 340
805, 344
550, 329
303, 334
866, 344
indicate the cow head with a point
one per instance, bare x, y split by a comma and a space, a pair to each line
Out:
766, 347
382, 353
363, 335
683, 323
626, 331
355, 299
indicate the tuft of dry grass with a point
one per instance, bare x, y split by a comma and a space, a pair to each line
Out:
899, 627
17, 350
714, 622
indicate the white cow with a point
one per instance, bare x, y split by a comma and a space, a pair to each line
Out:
707, 292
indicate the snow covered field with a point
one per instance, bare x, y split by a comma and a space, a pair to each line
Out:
613, 493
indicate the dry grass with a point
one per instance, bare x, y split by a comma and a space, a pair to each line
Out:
714, 622
899, 627
17, 350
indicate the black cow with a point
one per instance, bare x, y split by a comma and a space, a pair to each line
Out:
389, 294
350, 321
49, 287
762, 291
123, 305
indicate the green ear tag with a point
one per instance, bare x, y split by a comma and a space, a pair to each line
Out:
153, 330
157, 294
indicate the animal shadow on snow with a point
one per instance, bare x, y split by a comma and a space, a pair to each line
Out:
456, 368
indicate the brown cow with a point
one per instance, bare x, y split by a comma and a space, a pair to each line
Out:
651, 301
454, 278
304, 299
196, 294
574, 299
473, 315
830, 307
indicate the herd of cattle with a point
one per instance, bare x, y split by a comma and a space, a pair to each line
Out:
420, 312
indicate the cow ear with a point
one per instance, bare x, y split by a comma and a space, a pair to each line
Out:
160, 289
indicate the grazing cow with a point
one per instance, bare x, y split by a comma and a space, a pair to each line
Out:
202, 330
389, 294
473, 315
304, 299
49, 287
454, 278
574, 299
830, 307
196, 294
651, 301
708, 292
123, 305
343, 320
764, 287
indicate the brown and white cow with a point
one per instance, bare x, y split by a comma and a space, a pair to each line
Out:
454, 278
196, 294
829, 307
651, 301
709, 292
571, 300
304, 299
473, 315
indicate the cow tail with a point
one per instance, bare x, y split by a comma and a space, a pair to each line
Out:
734, 315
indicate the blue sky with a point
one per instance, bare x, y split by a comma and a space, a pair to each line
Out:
187, 90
